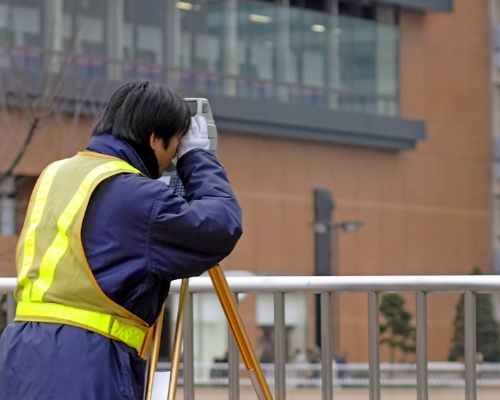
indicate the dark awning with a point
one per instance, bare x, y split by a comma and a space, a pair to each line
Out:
321, 124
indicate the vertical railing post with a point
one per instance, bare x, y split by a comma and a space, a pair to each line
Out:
234, 363
11, 307
279, 346
373, 345
326, 346
422, 375
177, 345
470, 345
188, 344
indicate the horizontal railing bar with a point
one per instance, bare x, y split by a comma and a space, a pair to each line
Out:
318, 284
355, 374
7, 285
437, 367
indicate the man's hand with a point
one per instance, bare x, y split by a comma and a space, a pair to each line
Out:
195, 138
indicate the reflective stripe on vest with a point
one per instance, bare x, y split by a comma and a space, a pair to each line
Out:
31, 306
60, 243
105, 324
35, 217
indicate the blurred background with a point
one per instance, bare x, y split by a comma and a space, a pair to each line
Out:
361, 138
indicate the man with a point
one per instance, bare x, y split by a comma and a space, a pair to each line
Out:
101, 243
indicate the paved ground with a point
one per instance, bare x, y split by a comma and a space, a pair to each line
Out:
347, 394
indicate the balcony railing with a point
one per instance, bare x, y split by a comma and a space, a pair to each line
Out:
200, 81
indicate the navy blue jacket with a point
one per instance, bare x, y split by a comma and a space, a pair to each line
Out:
138, 236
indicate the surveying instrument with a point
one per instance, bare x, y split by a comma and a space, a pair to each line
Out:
156, 383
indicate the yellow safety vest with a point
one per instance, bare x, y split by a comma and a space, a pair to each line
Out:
55, 283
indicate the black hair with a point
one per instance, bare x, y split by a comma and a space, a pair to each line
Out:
138, 109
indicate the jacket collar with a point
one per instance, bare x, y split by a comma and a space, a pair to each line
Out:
112, 146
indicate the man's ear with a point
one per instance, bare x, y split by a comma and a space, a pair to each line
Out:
154, 141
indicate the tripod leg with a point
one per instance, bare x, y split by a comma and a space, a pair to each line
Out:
234, 319
155, 350
176, 351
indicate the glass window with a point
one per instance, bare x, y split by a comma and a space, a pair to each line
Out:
143, 39
256, 48
314, 51
247, 48
85, 25
357, 64
295, 59
149, 45
261, 39
200, 50
84, 34
363, 74
27, 27
244, 31
20, 26
20, 21
216, 18
207, 44
387, 60
387, 69
149, 23
192, 23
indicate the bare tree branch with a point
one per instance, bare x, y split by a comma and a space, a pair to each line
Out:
36, 103
22, 150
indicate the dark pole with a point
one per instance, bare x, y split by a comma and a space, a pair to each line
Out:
323, 208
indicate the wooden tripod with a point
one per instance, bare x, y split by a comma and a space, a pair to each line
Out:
236, 324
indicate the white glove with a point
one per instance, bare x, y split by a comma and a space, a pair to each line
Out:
195, 138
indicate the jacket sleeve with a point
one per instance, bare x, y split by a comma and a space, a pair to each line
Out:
191, 235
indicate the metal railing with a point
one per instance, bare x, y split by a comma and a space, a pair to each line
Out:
470, 285
202, 80
349, 375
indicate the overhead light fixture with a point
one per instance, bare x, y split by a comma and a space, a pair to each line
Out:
337, 31
259, 18
318, 28
183, 5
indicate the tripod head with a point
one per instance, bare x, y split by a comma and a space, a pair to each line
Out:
200, 106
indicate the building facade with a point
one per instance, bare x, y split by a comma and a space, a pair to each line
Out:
385, 104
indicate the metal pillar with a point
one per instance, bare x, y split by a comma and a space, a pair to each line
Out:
230, 46
282, 73
332, 59
52, 24
172, 37
114, 39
